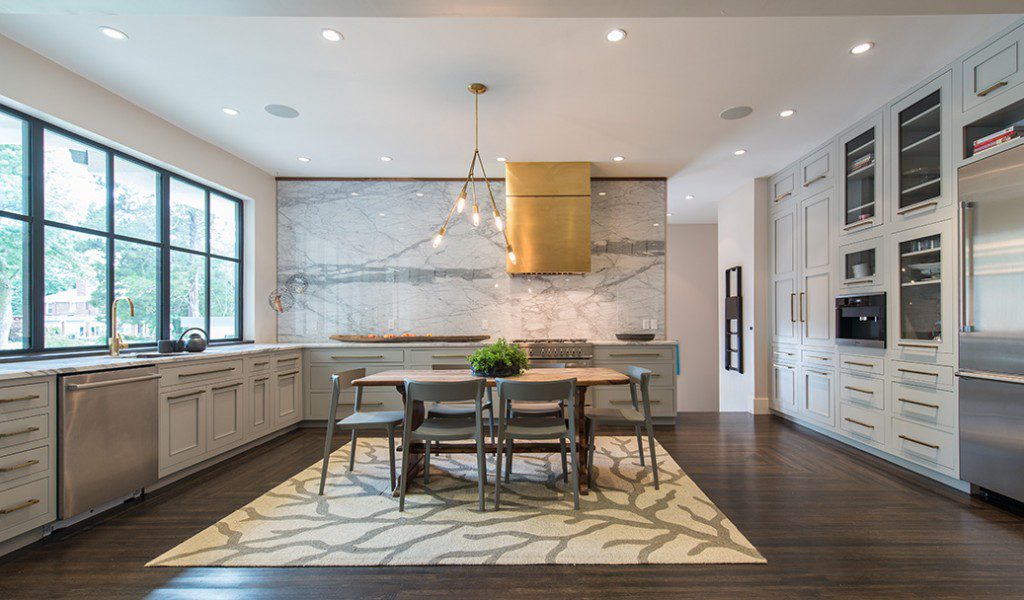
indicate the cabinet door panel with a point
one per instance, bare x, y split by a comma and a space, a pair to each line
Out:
785, 311
226, 425
921, 306
815, 229
994, 69
783, 243
784, 395
287, 394
922, 152
260, 391
818, 310
182, 428
818, 396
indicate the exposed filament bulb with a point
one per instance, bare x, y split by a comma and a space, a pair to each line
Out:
460, 204
439, 237
498, 223
476, 216
511, 254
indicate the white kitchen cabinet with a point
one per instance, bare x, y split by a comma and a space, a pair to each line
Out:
783, 243
816, 170
183, 423
783, 188
817, 395
784, 388
860, 189
287, 398
259, 409
226, 416
861, 266
923, 276
994, 69
922, 152
786, 329
814, 298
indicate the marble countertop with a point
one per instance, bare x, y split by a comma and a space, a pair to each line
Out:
82, 364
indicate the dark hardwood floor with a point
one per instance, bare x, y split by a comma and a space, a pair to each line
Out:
832, 522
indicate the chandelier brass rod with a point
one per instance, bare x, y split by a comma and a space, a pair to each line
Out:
494, 205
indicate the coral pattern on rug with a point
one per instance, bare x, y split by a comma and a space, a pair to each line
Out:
624, 520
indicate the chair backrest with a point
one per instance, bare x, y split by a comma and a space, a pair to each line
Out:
343, 379
536, 391
450, 367
548, 366
640, 377
444, 391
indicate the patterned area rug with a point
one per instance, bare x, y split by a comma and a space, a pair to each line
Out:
623, 521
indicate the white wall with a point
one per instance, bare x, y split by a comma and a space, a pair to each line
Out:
743, 241
35, 85
691, 309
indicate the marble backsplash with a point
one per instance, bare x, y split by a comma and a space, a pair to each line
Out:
365, 248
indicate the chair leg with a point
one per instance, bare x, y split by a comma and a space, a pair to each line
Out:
327, 454
404, 481
639, 445
575, 473
508, 459
426, 465
481, 464
565, 466
497, 464
654, 460
590, 454
352, 452
391, 453
490, 422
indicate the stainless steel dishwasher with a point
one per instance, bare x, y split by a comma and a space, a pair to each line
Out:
108, 437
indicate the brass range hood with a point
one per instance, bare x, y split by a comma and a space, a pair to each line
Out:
548, 212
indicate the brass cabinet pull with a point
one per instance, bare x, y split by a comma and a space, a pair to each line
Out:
785, 367
801, 307
354, 356
448, 355
858, 364
260, 364
18, 399
286, 360
227, 387
919, 442
639, 402
819, 357
992, 88
783, 352
635, 354
859, 224
909, 345
24, 465
260, 380
822, 373
792, 318
363, 404
924, 404
818, 178
856, 422
289, 374
225, 370
859, 281
856, 389
781, 196
17, 507
180, 396
915, 207
915, 372
7, 434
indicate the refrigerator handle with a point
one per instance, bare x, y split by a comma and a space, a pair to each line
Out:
966, 269
1000, 377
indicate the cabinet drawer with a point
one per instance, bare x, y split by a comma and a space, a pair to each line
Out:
816, 170
357, 355
634, 355
873, 365
662, 374
22, 431
923, 444
320, 375
994, 69
783, 188
784, 355
23, 397
924, 405
201, 372
287, 362
25, 463
24, 503
255, 365
439, 356
818, 357
862, 391
923, 374
663, 401
862, 424
373, 400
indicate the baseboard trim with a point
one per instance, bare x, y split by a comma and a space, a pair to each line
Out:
759, 405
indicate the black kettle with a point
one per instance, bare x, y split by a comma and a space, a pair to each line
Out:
192, 343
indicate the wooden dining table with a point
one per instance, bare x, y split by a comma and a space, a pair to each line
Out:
585, 377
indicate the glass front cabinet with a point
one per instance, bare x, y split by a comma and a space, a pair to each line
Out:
862, 265
861, 187
924, 277
921, 126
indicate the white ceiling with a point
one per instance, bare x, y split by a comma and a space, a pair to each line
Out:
559, 91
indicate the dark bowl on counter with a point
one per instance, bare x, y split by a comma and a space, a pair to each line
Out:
634, 337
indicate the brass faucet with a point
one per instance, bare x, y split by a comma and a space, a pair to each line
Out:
116, 341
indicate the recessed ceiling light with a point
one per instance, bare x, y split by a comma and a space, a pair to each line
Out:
231, 112
618, 158
331, 35
280, 110
739, 152
689, 196
304, 159
114, 34
385, 158
735, 112
789, 112
615, 35
862, 47
501, 159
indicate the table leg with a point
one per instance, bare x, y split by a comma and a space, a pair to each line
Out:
582, 444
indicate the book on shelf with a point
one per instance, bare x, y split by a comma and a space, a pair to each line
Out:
996, 142
1013, 130
862, 162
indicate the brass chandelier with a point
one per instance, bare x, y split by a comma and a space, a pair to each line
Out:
459, 206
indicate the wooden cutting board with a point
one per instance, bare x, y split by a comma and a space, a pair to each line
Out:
408, 339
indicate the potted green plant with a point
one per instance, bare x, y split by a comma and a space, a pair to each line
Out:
500, 359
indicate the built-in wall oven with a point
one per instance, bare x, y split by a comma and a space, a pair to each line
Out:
860, 320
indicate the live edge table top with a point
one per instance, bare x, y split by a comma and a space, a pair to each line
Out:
585, 376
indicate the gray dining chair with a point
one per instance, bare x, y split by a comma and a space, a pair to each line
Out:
464, 409
443, 429
536, 427
639, 377
387, 420
537, 409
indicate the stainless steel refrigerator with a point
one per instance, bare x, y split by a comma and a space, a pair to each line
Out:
991, 373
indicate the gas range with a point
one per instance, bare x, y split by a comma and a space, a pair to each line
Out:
573, 352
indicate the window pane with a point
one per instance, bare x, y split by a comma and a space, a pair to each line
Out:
13, 272
223, 299
75, 180
13, 178
135, 205
223, 226
188, 216
188, 292
76, 288
136, 275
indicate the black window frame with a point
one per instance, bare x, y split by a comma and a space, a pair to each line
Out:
34, 311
